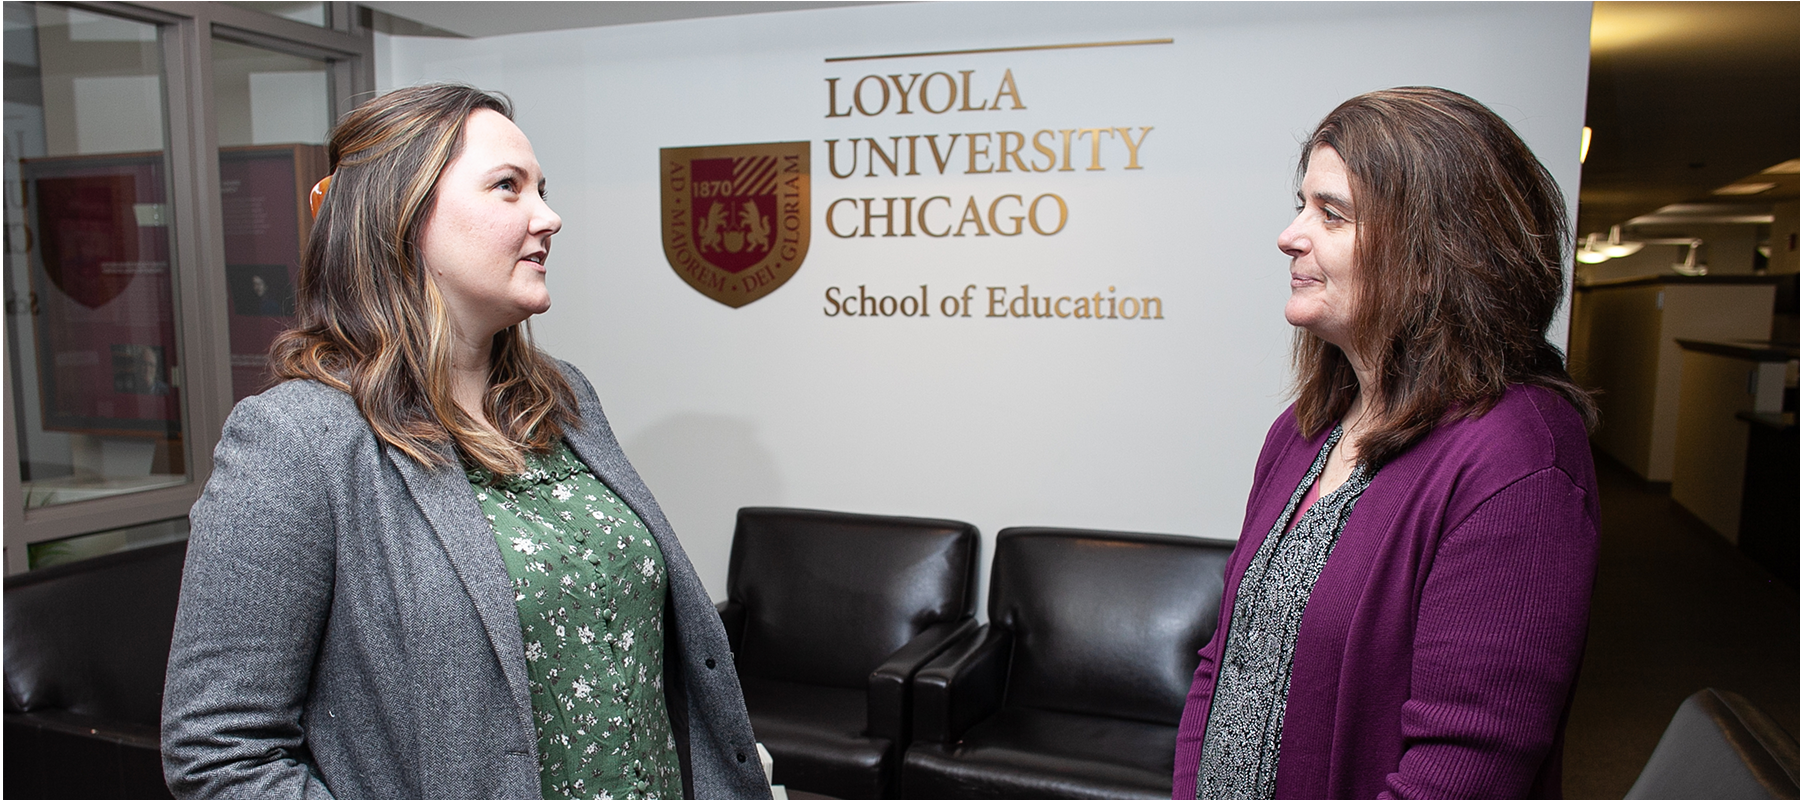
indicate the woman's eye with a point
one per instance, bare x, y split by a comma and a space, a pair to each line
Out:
507, 184
1333, 216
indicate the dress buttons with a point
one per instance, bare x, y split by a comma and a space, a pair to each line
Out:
710, 664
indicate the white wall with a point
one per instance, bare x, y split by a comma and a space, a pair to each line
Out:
1139, 425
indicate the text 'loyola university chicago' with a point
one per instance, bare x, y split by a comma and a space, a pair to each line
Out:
993, 152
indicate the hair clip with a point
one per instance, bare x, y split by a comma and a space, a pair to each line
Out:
318, 193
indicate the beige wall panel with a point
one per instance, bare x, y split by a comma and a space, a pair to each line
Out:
1629, 354
1620, 361
1710, 441
1699, 311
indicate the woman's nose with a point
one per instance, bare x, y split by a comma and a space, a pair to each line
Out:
1293, 240
546, 221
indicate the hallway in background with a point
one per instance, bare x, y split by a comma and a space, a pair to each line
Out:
1676, 608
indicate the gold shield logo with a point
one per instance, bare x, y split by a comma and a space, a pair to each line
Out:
736, 219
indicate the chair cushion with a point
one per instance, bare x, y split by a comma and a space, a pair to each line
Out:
828, 596
1721, 746
817, 736
1105, 623
1032, 754
93, 637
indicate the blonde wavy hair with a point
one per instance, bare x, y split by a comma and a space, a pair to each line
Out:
370, 320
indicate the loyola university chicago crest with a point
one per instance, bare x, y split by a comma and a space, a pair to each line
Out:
736, 218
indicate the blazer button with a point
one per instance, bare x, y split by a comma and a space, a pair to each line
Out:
709, 665
741, 758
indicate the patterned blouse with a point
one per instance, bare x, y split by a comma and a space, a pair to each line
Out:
1243, 731
589, 582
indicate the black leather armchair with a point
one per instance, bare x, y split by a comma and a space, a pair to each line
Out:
829, 615
1075, 686
1721, 747
87, 646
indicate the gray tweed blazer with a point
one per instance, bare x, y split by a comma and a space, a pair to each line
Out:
347, 628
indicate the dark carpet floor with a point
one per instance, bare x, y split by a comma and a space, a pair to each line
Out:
1676, 608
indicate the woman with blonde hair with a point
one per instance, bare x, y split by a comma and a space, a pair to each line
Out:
1405, 611
422, 567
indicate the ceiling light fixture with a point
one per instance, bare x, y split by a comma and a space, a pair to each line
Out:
1745, 188
1687, 266
1616, 248
1587, 138
1591, 251
1594, 250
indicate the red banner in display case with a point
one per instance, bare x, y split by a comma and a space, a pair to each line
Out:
103, 304
262, 193
103, 290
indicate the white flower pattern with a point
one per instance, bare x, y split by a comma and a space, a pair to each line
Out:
580, 559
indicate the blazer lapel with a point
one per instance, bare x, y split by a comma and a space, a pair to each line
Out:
449, 505
594, 444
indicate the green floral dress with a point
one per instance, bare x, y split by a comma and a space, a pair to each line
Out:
589, 582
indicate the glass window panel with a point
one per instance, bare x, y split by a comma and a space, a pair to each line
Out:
310, 13
273, 112
90, 314
76, 548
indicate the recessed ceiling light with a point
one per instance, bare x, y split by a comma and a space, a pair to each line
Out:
1744, 188
1704, 214
1788, 167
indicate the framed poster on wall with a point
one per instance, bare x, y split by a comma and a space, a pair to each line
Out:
262, 191
104, 317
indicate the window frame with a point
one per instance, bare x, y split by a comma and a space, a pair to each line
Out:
201, 297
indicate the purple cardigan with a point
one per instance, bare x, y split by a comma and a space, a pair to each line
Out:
1437, 656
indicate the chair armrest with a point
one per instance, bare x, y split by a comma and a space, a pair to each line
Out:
890, 682
731, 614
963, 685
57, 753
129, 734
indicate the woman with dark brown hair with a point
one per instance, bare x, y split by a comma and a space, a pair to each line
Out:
1405, 611
422, 567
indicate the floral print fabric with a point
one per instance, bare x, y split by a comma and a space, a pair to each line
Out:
589, 583
1242, 748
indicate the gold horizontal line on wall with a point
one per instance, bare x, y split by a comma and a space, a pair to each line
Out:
1130, 43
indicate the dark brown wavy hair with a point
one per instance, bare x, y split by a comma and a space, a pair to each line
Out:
1460, 241
370, 320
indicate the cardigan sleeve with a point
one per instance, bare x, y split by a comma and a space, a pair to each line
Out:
1502, 619
255, 595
